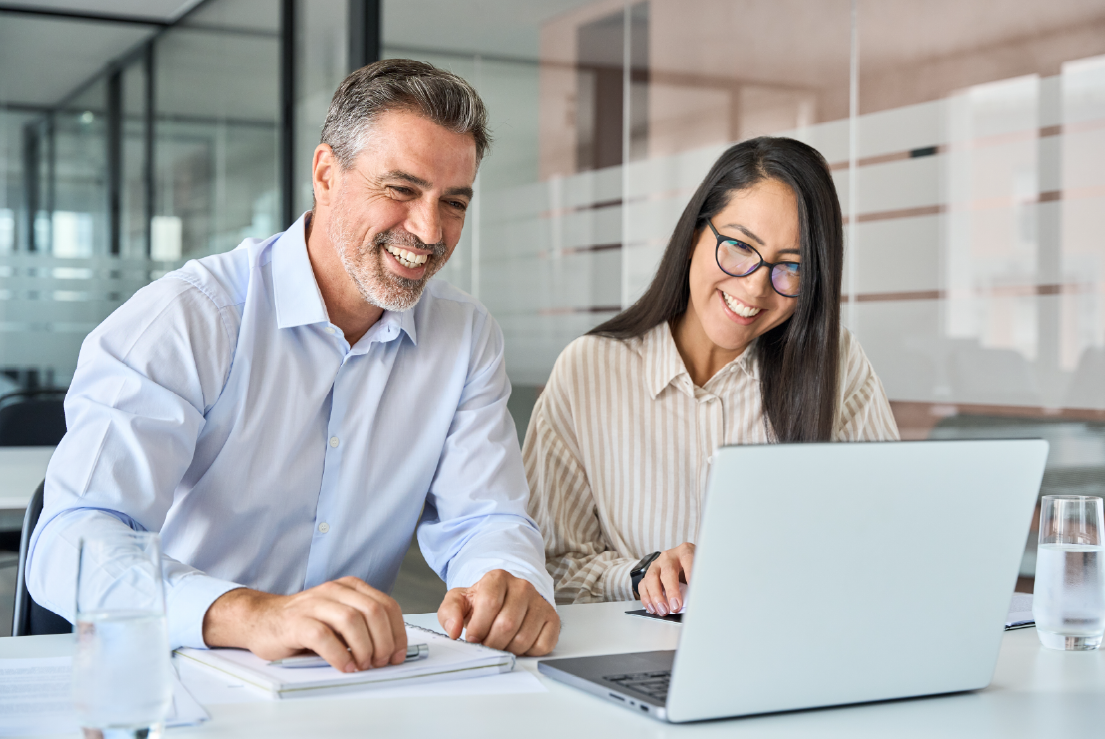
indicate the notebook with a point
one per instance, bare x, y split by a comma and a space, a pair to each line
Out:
447, 660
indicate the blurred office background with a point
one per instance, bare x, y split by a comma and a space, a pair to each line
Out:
967, 140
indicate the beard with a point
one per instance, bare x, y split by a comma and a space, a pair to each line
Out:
365, 263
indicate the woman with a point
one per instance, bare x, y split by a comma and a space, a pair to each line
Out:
736, 341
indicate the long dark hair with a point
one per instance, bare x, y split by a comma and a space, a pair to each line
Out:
798, 358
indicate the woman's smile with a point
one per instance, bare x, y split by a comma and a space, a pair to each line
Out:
737, 309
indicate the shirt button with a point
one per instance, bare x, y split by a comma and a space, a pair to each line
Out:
323, 527
334, 442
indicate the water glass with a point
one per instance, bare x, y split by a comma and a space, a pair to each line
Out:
1069, 594
121, 679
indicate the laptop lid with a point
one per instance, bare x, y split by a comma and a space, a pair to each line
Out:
840, 573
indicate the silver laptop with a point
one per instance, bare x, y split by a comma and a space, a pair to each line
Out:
829, 574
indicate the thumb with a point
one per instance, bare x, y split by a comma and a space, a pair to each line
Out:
453, 612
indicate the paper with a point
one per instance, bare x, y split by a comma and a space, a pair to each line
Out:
211, 688
447, 660
1020, 612
36, 698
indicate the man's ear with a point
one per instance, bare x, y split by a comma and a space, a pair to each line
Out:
325, 174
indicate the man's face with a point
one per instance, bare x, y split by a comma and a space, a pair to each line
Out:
397, 212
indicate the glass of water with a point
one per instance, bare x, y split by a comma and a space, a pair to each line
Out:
1069, 594
121, 679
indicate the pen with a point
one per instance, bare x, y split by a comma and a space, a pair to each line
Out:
414, 651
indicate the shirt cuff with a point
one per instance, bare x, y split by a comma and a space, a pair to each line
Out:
187, 603
616, 582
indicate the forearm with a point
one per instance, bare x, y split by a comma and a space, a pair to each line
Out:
591, 578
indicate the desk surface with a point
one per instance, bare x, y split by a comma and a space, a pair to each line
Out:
1035, 693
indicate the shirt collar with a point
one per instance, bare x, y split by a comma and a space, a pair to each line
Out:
389, 327
295, 291
664, 365
662, 361
298, 299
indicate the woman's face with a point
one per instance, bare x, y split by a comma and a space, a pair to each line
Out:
732, 311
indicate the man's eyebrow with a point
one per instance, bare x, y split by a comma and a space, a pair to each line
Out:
465, 191
398, 174
745, 231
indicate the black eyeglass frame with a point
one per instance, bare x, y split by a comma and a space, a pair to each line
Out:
763, 262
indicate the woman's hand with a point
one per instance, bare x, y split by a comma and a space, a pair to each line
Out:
659, 588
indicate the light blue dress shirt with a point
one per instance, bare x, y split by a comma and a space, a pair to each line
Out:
220, 407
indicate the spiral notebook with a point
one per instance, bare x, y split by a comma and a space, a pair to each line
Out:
447, 660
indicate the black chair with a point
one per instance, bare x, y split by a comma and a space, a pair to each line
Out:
32, 418
31, 619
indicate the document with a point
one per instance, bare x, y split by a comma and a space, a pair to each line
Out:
447, 660
36, 698
215, 688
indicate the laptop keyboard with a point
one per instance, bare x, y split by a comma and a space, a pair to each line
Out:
653, 684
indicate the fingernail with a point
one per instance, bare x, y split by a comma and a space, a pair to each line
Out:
449, 625
350, 668
648, 607
661, 609
674, 605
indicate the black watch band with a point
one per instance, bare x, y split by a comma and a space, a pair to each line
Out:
638, 572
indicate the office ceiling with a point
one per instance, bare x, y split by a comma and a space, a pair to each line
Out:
44, 58
163, 10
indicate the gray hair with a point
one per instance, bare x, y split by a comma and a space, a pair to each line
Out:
402, 84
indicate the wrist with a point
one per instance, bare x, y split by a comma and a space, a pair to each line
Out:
639, 570
231, 618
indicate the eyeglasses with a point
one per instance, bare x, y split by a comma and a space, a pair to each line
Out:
739, 259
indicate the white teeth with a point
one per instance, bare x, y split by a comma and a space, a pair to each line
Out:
745, 311
406, 258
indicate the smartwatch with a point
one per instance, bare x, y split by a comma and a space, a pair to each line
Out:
639, 570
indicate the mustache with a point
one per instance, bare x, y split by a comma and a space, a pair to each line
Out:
408, 240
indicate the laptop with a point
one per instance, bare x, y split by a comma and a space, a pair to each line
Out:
828, 574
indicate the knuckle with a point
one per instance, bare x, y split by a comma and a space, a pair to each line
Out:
348, 616
315, 631
374, 610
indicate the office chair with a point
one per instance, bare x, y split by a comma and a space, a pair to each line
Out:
31, 619
32, 418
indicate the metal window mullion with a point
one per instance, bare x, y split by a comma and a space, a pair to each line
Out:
113, 135
365, 42
287, 112
149, 172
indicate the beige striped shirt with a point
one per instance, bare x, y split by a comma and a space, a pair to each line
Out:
618, 448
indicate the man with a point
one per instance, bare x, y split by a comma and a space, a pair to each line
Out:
287, 413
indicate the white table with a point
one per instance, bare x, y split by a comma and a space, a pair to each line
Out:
22, 468
1035, 693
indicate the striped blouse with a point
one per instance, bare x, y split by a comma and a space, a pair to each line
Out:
619, 446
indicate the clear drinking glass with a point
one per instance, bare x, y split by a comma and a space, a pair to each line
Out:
121, 679
1069, 594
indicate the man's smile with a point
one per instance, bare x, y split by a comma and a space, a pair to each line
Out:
408, 259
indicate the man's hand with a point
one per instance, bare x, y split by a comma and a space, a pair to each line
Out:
659, 588
501, 611
348, 623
